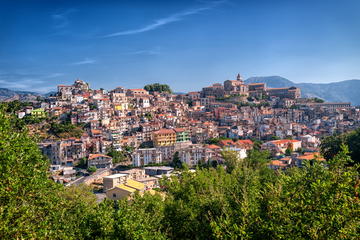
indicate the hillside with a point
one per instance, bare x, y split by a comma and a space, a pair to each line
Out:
344, 91
9, 95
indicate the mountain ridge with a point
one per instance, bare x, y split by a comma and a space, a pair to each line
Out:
343, 91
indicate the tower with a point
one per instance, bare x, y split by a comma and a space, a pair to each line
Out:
239, 78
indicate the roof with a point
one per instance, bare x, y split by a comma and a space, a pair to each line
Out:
125, 188
164, 131
246, 141
92, 156
311, 156
282, 141
278, 163
213, 146
179, 129
226, 142
116, 175
135, 184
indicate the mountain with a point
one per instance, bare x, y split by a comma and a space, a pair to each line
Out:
8, 95
344, 91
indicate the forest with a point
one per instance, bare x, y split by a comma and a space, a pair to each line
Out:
243, 200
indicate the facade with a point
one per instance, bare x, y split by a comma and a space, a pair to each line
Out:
99, 161
125, 190
237, 87
114, 180
145, 156
164, 137
182, 135
216, 90
289, 92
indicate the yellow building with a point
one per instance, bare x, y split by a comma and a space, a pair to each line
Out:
164, 137
40, 113
125, 190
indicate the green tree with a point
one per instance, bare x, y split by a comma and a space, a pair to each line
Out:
157, 87
91, 169
176, 162
117, 156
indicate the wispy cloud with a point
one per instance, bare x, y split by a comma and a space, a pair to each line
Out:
85, 61
164, 21
28, 82
61, 19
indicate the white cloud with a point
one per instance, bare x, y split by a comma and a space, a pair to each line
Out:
163, 21
85, 61
28, 82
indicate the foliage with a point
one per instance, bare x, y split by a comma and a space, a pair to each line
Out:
31, 205
117, 156
247, 200
331, 145
65, 130
288, 151
216, 140
157, 87
318, 100
176, 162
91, 169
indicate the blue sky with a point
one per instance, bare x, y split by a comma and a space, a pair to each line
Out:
186, 44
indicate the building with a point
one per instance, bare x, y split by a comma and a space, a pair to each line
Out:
287, 92
236, 87
38, 113
145, 156
161, 170
182, 135
164, 137
99, 161
277, 147
125, 190
114, 180
216, 90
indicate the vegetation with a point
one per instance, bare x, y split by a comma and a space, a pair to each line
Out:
318, 100
91, 169
245, 200
176, 162
331, 146
65, 130
117, 156
157, 87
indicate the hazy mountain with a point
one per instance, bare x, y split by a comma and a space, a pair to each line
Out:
344, 91
8, 95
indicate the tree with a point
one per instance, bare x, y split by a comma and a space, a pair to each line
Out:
157, 87
288, 151
117, 156
91, 169
31, 205
176, 162
331, 145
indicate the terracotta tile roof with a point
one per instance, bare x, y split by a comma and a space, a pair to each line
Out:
213, 146
165, 131
92, 156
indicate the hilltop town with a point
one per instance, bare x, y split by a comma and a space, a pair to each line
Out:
125, 140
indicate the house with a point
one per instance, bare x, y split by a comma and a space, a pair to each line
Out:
125, 190
100, 161
114, 180
277, 147
299, 160
153, 171
164, 137
145, 156
39, 113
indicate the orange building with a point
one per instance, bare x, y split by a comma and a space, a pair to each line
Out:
164, 137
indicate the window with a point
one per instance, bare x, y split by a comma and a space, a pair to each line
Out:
114, 195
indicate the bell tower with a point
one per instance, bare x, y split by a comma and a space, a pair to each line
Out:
239, 78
